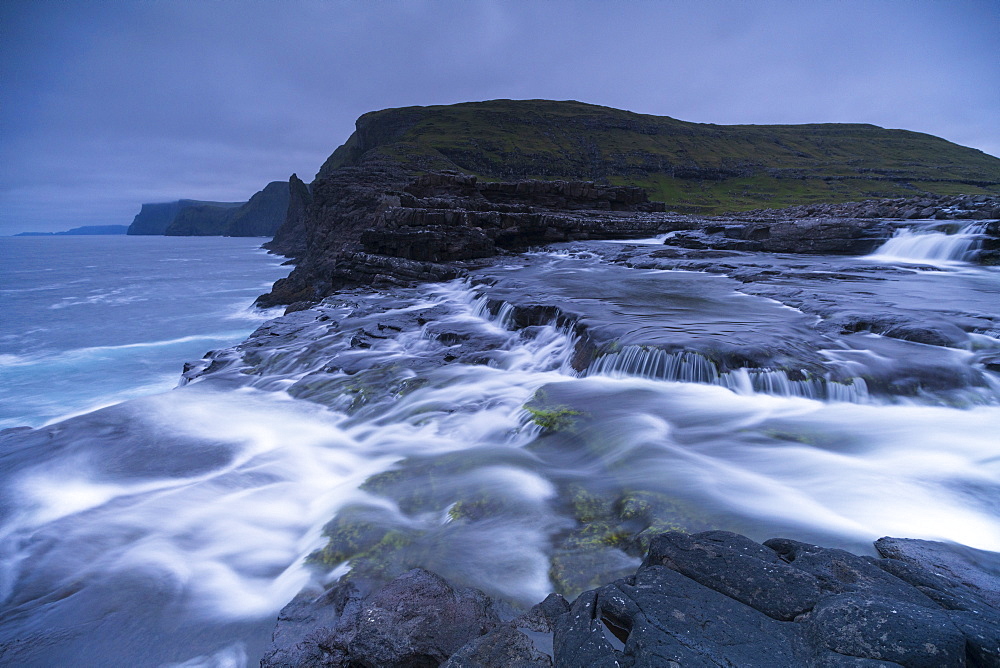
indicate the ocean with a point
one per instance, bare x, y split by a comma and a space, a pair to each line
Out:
91, 321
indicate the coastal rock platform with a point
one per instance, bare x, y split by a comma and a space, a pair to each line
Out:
709, 599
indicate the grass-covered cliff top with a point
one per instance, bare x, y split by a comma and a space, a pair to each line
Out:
691, 166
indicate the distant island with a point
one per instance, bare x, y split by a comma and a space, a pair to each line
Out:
85, 230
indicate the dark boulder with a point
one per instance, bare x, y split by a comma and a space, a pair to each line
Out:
875, 627
978, 570
416, 620
503, 646
739, 568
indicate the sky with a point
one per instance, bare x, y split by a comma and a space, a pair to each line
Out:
106, 105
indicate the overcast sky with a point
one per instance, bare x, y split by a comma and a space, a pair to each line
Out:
106, 105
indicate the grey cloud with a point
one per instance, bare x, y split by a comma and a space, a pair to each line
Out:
107, 105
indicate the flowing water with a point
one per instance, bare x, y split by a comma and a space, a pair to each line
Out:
520, 431
933, 243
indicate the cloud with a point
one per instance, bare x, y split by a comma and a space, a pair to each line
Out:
107, 105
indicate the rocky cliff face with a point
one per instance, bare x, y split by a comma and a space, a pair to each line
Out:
376, 225
204, 220
259, 217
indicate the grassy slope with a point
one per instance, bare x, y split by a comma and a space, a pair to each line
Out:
691, 166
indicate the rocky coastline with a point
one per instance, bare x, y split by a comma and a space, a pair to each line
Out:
375, 226
709, 599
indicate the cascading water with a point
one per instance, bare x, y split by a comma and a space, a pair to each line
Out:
691, 367
432, 427
932, 245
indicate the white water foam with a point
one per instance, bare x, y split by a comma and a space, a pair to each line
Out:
931, 246
860, 471
691, 367
234, 536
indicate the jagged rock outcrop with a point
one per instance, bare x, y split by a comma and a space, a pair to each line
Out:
448, 216
708, 599
290, 238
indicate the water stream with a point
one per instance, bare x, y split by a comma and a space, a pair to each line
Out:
520, 431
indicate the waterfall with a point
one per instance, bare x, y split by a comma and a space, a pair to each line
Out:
692, 367
909, 245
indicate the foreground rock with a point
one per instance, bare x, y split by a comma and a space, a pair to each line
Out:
708, 599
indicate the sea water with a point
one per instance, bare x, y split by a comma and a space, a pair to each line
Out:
89, 321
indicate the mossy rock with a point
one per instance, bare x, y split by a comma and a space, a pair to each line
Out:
574, 571
427, 484
552, 417
359, 533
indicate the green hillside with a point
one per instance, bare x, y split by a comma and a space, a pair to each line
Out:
693, 167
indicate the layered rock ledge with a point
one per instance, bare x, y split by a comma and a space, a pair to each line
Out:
708, 599
377, 225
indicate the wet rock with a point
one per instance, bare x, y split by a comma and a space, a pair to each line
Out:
418, 619
824, 235
976, 569
503, 646
708, 599
739, 568
840, 572
662, 618
300, 636
925, 207
875, 627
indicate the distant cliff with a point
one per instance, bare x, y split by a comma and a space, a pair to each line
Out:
85, 230
262, 215
156, 218
259, 217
